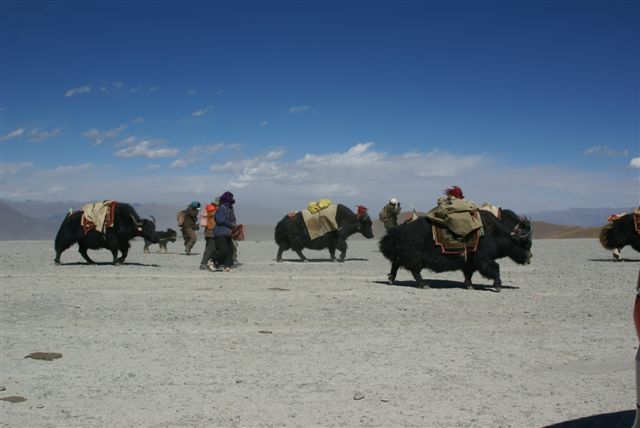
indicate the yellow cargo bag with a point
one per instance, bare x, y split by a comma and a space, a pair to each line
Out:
315, 206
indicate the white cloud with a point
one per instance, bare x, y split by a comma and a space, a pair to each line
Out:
299, 109
138, 119
9, 168
192, 92
197, 154
264, 124
38, 136
99, 137
356, 175
13, 134
604, 151
150, 149
77, 91
64, 170
201, 112
634, 163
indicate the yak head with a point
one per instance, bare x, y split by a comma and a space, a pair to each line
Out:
521, 234
365, 225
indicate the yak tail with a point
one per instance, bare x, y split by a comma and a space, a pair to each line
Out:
609, 238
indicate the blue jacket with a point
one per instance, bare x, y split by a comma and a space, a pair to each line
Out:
225, 221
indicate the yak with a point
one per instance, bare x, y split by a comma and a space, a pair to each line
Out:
620, 232
410, 245
126, 226
164, 237
291, 233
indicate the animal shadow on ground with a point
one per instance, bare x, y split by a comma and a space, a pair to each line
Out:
445, 284
611, 260
348, 259
109, 264
620, 419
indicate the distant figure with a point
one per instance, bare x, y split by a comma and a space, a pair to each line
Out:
210, 245
389, 214
225, 219
190, 225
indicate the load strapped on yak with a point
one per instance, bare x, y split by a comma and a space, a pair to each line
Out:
457, 214
316, 206
320, 218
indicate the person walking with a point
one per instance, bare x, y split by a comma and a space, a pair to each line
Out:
210, 245
189, 226
389, 214
225, 219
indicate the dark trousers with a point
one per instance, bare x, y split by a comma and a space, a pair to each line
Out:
224, 251
209, 250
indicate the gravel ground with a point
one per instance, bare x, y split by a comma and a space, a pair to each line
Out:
157, 342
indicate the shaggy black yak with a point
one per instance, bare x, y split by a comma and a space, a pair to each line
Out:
411, 246
622, 231
126, 226
291, 233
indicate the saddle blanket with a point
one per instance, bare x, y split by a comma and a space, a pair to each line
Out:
98, 216
453, 244
320, 223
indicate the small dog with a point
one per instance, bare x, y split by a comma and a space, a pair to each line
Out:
169, 235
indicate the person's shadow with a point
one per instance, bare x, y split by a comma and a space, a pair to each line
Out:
621, 419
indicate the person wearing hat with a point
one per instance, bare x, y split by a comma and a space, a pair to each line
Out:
389, 214
190, 225
225, 219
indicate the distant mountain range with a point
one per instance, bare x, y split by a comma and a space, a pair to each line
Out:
35, 220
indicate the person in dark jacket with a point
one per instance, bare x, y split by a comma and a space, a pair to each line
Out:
190, 225
210, 246
225, 221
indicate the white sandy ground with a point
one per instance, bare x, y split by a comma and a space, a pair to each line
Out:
159, 343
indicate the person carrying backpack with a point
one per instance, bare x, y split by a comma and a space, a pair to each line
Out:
189, 226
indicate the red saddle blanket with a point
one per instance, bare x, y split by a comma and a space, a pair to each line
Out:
454, 244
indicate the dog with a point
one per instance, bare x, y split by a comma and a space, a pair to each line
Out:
169, 235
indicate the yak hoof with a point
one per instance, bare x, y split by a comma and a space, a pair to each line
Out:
423, 285
498, 286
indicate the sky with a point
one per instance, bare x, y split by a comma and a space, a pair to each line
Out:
529, 105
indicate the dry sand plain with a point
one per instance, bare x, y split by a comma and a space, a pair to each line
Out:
159, 343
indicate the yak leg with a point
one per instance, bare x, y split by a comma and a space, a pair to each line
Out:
342, 246
83, 252
280, 251
391, 278
616, 254
468, 273
299, 253
419, 281
491, 270
124, 249
332, 252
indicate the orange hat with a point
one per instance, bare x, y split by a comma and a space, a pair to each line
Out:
210, 208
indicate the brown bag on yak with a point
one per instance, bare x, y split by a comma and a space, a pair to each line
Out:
180, 218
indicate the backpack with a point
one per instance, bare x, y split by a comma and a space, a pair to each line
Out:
180, 217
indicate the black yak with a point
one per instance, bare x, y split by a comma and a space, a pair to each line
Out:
291, 233
164, 237
126, 226
411, 246
621, 231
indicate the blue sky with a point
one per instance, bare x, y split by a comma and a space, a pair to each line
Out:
528, 105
